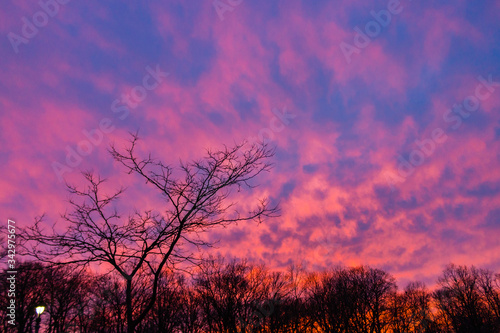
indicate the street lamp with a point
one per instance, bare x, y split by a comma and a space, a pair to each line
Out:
39, 309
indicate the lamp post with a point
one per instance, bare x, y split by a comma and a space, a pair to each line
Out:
39, 309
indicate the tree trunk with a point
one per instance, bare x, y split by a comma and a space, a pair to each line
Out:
130, 321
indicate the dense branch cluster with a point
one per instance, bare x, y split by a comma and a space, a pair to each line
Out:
238, 296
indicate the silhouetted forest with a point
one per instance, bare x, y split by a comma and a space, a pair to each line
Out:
239, 296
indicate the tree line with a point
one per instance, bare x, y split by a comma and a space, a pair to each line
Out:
239, 296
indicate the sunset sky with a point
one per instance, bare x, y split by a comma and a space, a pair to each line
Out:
385, 116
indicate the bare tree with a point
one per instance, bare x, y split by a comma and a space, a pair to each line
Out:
63, 290
227, 294
104, 312
410, 311
196, 199
466, 299
489, 284
351, 299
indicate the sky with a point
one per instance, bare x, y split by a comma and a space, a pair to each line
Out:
385, 116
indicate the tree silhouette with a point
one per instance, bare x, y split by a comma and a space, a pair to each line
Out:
410, 310
351, 300
140, 246
467, 300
